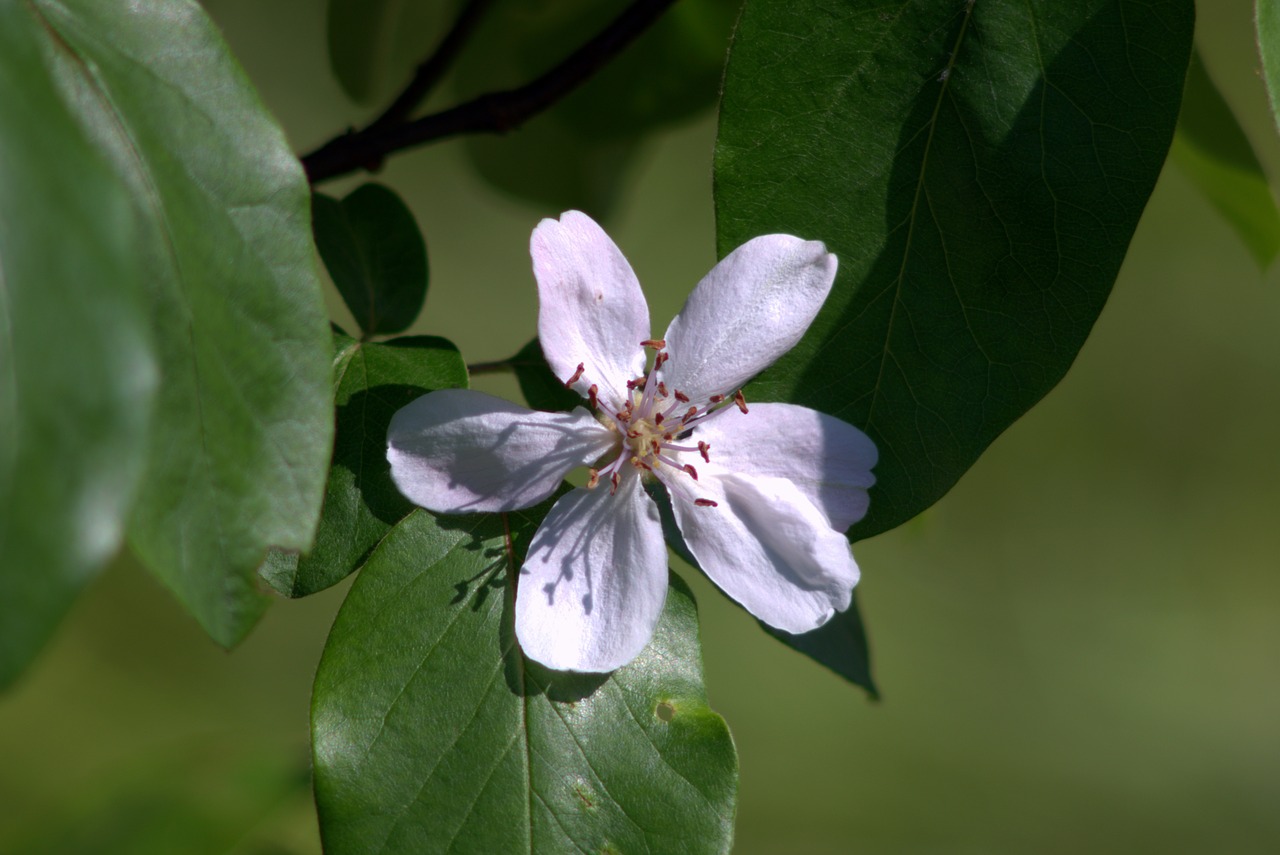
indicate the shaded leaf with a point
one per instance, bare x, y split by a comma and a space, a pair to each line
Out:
979, 170
541, 388
1267, 18
1213, 150
77, 373
374, 251
432, 732
241, 438
374, 45
361, 501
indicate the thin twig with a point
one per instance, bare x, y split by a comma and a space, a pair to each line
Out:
433, 68
495, 112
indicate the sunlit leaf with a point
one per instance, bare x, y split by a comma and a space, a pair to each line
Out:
1213, 150
361, 502
979, 169
77, 374
374, 251
241, 438
432, 732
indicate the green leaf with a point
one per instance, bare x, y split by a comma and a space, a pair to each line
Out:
432, 733
77, 373
577, 153
1267, 16
839, 644
1213, 150
374, 45
361, 502
374, 251
979, 169
541, 388
241, 438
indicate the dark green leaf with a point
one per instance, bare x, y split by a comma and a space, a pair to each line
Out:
979, 169
374, 45
1213, 150
542, 390
576, 154
361, 502
432, 733
77, 374
241, 440
840, 644
374, 251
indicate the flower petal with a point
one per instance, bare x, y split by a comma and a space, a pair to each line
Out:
750, 309
591, 309
766, 546
829, 460
458, 451
593, 585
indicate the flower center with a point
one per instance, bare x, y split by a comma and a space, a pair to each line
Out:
657, 425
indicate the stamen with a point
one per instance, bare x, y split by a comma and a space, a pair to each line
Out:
681, 397
706, 503
662, 389
591, 395
614, 480
624, 416
595, 479
662, 357
640, 464
636, 383
693, 472
715, 399
693, 411
655, 343
703, 448
740, 400
568, 384
657, 419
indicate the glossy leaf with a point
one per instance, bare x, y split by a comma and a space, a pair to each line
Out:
240, 442
374, 45
361, 502
375, 254
1213, 150
77, 373
979, 169
432, 733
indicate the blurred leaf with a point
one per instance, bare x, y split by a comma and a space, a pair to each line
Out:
374, 251
542, 390
1267, 17
432, 732
241, 438
374, 45
575, 154
361, 502
77, 375
979, 170
1214, 152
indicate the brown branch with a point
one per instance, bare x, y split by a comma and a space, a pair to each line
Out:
495, 112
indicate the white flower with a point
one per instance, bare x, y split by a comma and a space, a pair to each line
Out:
761, 494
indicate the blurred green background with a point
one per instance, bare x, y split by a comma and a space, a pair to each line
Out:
1078, 648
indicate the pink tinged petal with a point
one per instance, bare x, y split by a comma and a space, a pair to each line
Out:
458, 451
766, 546
829, 460
591, 309
750, 309
593, 585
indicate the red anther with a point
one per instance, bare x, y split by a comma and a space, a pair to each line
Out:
706, 503
740, 400
655, 343
640, 464
668, 436
693, 472
591, 395
693, 411
633, 433
636, 383
662, 389
715, 399
568, 384
595, 478
624, 416
703, 448
662, 357
613, 479
681, 397
656, 446
657, 419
